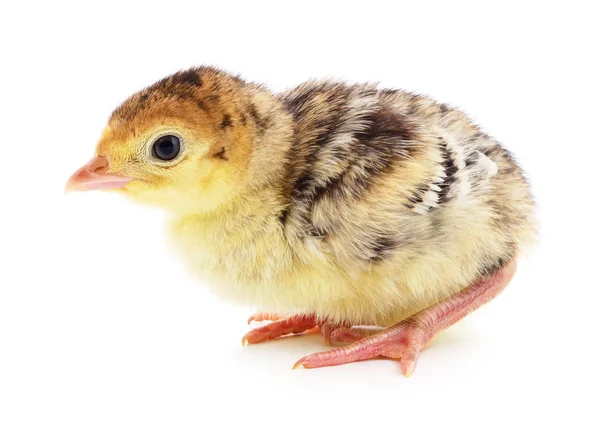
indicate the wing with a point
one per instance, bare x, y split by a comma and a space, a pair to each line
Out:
367, 166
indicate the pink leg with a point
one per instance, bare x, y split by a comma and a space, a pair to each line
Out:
291, 325
406, 339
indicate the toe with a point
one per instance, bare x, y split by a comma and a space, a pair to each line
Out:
361, 350
263, 316
275, 329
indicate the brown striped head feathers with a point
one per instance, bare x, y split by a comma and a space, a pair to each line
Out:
183, 143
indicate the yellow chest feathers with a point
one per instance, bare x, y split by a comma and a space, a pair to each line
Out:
257, 266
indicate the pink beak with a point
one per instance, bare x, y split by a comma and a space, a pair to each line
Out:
93, 176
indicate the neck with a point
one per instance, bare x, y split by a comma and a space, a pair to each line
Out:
236, 242
272, 139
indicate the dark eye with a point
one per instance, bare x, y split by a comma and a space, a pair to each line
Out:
166, 148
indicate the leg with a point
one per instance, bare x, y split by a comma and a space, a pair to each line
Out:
406, 339
291, 325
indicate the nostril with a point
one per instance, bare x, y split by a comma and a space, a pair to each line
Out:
98, 165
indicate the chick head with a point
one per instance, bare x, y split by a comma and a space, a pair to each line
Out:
181, 144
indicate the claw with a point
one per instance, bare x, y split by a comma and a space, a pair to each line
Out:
409, 368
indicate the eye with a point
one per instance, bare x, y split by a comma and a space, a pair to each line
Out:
166, 148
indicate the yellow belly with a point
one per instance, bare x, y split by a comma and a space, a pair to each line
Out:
268, 273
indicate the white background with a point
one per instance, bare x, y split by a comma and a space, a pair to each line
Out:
101, 329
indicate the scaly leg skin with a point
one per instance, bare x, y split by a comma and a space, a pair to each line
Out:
281, 327
406, 339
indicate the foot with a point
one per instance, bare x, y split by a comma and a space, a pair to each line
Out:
403, 341
280, 327
406, 339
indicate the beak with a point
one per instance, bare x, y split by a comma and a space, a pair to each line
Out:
93, 176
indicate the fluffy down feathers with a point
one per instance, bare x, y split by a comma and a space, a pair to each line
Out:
359, 204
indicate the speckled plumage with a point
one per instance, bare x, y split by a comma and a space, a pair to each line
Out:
358, 204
